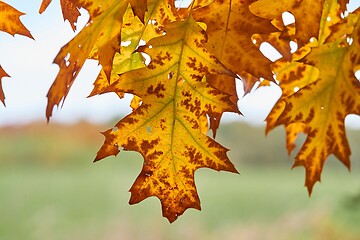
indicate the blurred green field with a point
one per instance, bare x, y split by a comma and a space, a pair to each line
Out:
51, 190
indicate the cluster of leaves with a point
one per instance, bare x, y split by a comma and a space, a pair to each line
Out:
196, 55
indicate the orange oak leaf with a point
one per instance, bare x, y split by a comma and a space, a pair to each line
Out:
307, 15
10, 21
166, 128
102, 32
319, 106
2, 74
69, 9
230, 26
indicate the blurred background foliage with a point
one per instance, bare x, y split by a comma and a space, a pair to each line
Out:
50, 189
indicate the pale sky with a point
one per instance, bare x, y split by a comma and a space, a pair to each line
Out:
29, 63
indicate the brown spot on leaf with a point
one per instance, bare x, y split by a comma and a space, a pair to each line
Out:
299, 117
163, 124
194, 156
146, 145
157, 91
200, 67
154, 155
186, 172
311, 115
131, 144
192, 121
161, 58
130, 120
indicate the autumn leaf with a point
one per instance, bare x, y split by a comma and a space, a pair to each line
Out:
165, 129
102, 32
69, 10
307, 15
320, 105
2, 74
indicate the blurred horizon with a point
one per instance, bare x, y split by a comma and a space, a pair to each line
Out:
51, 190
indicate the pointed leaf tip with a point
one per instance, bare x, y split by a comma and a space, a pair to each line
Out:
10, 21
2, 95
44, 5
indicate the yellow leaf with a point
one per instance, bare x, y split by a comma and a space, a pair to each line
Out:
10, 21
165, 129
